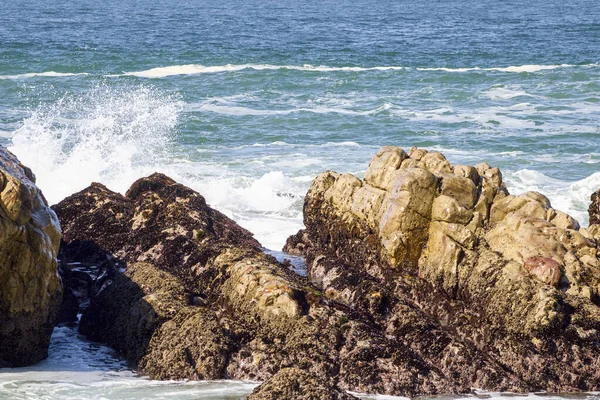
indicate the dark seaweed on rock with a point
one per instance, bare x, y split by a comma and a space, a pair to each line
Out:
424, 278
492, 291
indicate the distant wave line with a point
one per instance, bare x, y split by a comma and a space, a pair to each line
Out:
48, 74
195, 69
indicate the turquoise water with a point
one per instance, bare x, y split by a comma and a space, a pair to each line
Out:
246, 101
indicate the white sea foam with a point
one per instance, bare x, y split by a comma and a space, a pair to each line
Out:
516, 68
193, 69
505, 93
107, 135
47, 74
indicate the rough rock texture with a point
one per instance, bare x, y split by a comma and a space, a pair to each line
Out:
30, 289
487, 289
200, 300
294, 383
594, 209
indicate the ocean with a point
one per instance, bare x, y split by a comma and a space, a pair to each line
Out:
247, 101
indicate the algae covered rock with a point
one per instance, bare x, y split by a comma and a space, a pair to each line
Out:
594, 210
426, 248
423, 278
30, 289
294, 383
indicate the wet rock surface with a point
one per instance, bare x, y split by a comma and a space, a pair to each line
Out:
294, 383
484, 288
423, 278
30, 289
198, 299
594, 210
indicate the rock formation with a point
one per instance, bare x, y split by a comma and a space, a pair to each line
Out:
594, 210
499, 292
294, 383
424, 278
30, 289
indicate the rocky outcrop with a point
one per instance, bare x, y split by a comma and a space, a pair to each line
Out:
499, 292
294, 383
594, 210
199, 299
424, 278
30, 289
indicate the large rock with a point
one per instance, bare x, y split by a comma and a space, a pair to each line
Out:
294, 383
500, 292
200, 300
30, 289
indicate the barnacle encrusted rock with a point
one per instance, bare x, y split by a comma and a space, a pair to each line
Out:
30, 289
428, 249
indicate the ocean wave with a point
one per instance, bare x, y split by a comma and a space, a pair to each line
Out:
47, 74
246, 111
107, 134
193, 69
513, 68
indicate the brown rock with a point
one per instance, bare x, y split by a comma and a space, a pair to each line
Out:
294, 383
30, 289
594, 209
434, 249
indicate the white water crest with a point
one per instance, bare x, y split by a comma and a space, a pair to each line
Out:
47, 74
193, 69
108, 135
513, 68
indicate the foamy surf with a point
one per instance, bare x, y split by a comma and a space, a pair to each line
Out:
193, 69
47, 74
110, 135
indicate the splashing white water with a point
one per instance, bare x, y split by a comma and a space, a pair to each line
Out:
108, 135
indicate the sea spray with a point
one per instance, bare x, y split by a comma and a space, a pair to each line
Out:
109, 134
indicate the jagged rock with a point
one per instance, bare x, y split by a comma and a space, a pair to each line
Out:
594, 210
30, 289
214, 306
500, 292
294, 383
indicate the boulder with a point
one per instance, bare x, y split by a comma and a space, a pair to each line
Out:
294, 383
30, 289
500, 292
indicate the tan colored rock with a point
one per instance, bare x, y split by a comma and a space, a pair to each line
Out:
30, 289
459, 188
494, 268
383, 166
403, 224
448, 209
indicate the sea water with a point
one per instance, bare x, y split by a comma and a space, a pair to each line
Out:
247, 101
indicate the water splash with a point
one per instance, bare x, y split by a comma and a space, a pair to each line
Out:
107, 134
